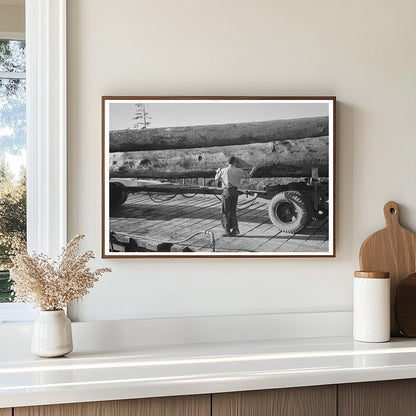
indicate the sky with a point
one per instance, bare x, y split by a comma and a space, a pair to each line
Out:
12, 107
165, 114
12, 145
16, 162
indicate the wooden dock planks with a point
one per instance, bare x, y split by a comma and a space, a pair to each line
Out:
163, 226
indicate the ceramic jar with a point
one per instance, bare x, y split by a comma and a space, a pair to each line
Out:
52, 334
371, 309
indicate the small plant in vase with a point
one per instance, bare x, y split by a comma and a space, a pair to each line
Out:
52, 286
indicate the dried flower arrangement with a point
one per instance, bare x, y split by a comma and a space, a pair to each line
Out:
53, 285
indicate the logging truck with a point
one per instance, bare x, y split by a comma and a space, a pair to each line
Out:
165, 160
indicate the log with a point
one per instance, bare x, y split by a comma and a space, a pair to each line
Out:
290, 158
163, 175
217, 134
288, 171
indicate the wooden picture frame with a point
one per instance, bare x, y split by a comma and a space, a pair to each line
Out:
164, 172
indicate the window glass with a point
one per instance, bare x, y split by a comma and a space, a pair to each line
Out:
12, 156
12, 56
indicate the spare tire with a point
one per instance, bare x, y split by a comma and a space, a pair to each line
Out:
290, 211
118, 195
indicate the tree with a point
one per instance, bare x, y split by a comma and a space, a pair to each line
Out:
6, 175
141, 118
12, 142
12, 214
12, 97
12, 56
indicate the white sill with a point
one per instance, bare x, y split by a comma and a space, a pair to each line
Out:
170, 370
171, 356
124, 334
16, 313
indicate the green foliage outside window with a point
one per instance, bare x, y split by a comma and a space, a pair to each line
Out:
12, 145
6, 294
12, 223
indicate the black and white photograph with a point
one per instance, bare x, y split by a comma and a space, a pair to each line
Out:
218, 176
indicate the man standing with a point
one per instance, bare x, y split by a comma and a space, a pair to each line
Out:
230, 177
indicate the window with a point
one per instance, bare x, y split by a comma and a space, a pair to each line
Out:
12, 155
12, 165
46, 134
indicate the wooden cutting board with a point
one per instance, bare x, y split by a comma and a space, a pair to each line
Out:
405, 306
393, 250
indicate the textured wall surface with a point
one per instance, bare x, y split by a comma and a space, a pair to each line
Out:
362, 52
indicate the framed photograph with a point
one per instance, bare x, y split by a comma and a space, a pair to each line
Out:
218, 177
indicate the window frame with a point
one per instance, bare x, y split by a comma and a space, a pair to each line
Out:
46, 125
46, 138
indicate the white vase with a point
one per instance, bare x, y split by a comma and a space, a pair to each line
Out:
52, 334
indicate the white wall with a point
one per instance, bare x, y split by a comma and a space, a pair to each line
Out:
361, 51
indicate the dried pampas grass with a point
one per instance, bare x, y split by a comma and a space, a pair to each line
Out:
53, 285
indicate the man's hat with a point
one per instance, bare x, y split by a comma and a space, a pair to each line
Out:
232, 160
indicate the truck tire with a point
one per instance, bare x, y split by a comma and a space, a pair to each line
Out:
118, 195
290, 211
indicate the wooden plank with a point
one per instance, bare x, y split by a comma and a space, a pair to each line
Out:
159, 211
5, 412
324, 246
382, 398
195, 244
217, 135
318, 235
212, 225
255, 226
150, 210
207, 223
275, 244
161, 231
143, 232
243, 242
163, 406
393, 250
187, 215
136, 198
292, 243
179, 218
132, 225
256, 236
190, 211
231, 244
148, 206
181, 229
300, 401
115, 247
285, 242
181, 232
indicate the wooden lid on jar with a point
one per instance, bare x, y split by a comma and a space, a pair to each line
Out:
372, 275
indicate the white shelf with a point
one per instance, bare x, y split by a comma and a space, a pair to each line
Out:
151, 371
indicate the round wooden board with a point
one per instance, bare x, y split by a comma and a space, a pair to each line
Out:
405, 306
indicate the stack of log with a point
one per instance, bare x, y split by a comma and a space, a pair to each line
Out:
267, 149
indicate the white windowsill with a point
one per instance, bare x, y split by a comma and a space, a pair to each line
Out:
203, 368
16, 313
158, 357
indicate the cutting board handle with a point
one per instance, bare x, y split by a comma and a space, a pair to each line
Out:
391, 214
